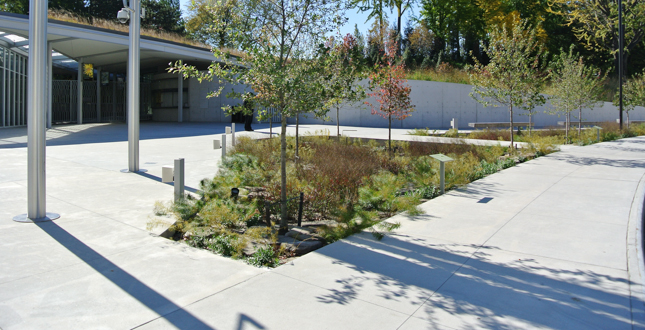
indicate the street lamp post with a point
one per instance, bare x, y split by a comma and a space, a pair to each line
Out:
133, 13
621, 69
36, 112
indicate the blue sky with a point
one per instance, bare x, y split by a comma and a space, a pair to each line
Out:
355, 17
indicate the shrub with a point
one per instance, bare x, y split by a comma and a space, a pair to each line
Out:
264, 257
227, 245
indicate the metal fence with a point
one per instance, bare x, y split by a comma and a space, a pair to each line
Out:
13, 88
113, 105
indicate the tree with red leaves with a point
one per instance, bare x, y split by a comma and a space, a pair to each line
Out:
390, 89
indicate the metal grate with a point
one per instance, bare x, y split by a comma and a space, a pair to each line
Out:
13, 88
113, 105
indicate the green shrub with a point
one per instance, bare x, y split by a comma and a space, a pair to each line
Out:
226, 244
264, 257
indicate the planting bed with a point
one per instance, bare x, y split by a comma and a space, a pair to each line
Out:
348, 186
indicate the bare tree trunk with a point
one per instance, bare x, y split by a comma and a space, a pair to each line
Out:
337, 122
628, 123
297, 137
579, 122
284, 224
530, 118
566, 126
512, 137
389, 133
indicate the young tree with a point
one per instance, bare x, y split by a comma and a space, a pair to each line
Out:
276, 65
391, 91
510, 77
634, 94
575, 86
347, 68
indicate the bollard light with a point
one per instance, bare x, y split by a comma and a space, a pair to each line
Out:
167, 174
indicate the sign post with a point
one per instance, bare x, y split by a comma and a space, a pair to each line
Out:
443, 159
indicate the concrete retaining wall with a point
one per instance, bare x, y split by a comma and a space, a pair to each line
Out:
437, 103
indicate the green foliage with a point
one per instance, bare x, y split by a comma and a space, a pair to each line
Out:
280, 66
575, 86
264, 257
226, 245
633, 93
355, 183
595, 23
511, 78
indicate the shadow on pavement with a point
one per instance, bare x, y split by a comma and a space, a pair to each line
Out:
126, 282
103, 133
448, 281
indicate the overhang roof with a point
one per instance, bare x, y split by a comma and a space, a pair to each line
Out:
103, 48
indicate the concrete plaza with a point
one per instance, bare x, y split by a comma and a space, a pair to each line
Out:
552, 243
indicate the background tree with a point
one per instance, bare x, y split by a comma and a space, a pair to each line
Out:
164, 15
215, 22
391, 91
346, 69
595, 22
633, 94
509, 79
575, 86
279, 47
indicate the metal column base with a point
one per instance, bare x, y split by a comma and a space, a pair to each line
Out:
141, 170
48, 217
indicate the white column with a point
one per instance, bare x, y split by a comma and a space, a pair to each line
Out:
133, 87
37, 107
180, 98
50, 78
98, 95
79, 92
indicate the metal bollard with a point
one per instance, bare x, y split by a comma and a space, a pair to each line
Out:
302, 199
233, 134
267, 214
179, 179
223, 146
216, 144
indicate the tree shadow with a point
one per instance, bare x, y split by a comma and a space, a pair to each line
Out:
126, 282
451, 280
158, 179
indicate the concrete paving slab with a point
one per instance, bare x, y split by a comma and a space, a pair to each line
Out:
452, 225
501, 290
363, 268
551, 258
595, 243
570, 205
118, 291
283, 303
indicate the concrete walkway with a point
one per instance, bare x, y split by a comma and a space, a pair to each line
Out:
551, 243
